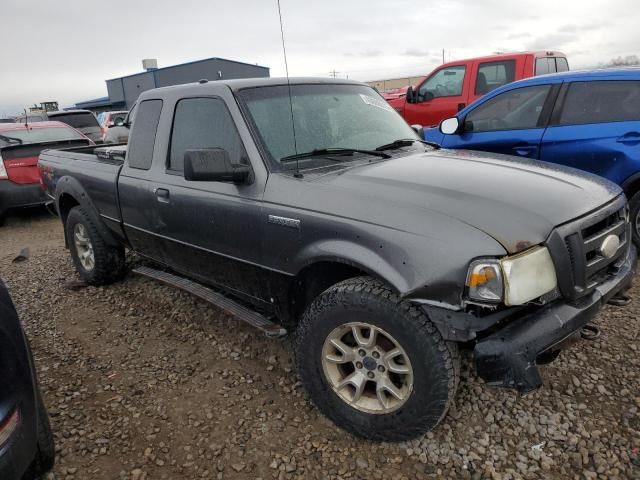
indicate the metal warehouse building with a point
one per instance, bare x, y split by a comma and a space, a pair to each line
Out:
124, 91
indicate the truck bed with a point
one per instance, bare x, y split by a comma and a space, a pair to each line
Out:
92, 169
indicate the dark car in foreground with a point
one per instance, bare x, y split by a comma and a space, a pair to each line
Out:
20, 145
587, 119
312, 207
26, 442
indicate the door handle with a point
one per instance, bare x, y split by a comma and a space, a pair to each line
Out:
162, 195
629, 138
525, 150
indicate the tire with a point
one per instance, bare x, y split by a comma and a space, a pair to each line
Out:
433, 363
45, 457
634, 214
108, 263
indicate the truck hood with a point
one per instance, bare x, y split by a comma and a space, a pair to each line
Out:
515, 201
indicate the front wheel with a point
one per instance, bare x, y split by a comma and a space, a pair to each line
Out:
375, 365
634, 214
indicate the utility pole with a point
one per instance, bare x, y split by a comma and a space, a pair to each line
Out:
443, 56
333, 73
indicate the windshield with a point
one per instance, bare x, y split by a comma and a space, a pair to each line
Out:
77, 120
37, 135
325, 117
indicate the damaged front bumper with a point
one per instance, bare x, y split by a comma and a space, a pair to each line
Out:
507, 358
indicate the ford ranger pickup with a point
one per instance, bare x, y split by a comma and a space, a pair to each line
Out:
310, 206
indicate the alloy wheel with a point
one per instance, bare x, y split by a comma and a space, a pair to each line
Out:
367, 368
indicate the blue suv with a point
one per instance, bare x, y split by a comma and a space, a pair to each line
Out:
588, 120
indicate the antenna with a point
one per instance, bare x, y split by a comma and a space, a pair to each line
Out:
286, 68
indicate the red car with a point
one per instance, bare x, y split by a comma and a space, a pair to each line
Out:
454, 85
20, 146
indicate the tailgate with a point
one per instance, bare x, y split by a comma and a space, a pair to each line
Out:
21, 161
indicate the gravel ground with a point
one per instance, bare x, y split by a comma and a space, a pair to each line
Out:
145, 382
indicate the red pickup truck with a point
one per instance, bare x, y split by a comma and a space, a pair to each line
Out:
454, 85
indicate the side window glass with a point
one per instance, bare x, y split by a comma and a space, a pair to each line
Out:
542, 66
203, 123
492, 75
140, 151
601, 102
562, 65
131, 116
446, 82
513, 110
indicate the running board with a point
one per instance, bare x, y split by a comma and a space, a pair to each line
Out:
231, 307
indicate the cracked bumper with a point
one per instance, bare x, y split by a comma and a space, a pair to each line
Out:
507, 358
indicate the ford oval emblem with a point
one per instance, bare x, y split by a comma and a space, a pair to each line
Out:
609, 246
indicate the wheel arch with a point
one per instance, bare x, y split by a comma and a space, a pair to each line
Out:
631, 185
332, 262
69, 194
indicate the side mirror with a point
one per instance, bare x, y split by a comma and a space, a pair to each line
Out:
410, 95
419, 129
119, 122
213, 165
449, 126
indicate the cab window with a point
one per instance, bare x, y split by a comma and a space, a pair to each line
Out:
202, 123
561, 64
545, 65
446, 82
513, 110
492, 75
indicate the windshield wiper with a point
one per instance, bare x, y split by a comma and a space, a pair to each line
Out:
404, 142
333, 151
4, 138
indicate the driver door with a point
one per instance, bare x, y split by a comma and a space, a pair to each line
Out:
440, 96
511, 123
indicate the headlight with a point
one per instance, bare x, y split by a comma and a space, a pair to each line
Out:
513, 280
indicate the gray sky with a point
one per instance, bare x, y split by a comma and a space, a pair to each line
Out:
64, 49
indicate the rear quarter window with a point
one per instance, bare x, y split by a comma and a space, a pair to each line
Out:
143, 133
601, 102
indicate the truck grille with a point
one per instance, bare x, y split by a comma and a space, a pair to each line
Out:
576, 249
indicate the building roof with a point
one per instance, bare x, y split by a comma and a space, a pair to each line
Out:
188, 63
93, 103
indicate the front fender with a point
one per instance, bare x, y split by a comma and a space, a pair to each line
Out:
399, 277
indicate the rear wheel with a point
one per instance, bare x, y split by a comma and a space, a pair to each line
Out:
97, 262
374, 364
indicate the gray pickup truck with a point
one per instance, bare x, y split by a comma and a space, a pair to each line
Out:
313, 208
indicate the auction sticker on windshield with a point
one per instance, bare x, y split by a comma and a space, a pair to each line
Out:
376, 102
